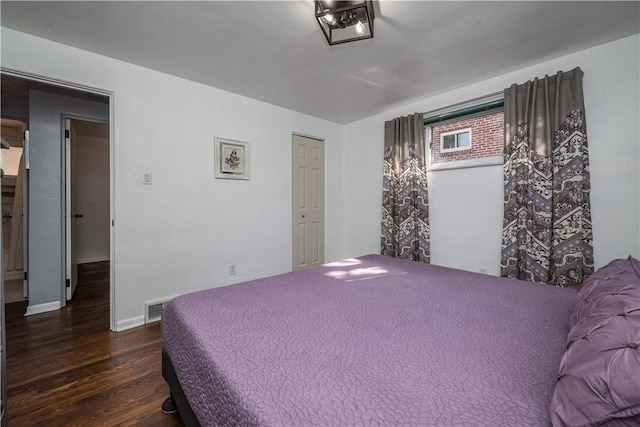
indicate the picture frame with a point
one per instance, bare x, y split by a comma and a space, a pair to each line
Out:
232, 159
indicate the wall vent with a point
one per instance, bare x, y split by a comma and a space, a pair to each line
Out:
153, 311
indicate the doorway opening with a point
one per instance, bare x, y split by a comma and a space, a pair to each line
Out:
56, 166
13, 206
86, 196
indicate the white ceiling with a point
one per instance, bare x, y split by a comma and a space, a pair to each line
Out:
274, 51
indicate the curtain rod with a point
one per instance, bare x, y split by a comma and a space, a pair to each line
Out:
484, 107
469, 101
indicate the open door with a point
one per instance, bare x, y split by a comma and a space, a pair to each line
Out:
71, 215
3, 364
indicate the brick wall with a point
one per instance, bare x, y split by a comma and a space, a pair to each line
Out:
487, 136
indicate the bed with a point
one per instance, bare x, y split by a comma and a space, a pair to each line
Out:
381, 341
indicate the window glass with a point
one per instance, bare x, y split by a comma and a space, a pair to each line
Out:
476, 136
449, 142
464, 139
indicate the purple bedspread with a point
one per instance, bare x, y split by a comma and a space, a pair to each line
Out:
370, 341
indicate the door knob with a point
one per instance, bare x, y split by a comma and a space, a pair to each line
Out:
77, 216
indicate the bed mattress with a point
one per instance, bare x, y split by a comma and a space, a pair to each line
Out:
370, 341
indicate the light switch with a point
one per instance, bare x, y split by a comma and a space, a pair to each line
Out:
146, 178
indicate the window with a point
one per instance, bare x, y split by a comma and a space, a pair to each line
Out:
455, 140
467, 135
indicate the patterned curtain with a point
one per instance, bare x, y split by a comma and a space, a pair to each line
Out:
405, 207
547, 213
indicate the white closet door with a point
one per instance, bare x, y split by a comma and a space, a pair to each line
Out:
308, 202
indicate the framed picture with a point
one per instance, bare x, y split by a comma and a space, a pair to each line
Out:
231, 159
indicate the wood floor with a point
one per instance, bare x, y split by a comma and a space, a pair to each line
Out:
65, 368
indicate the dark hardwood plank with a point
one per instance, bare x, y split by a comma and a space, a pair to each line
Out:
66, 368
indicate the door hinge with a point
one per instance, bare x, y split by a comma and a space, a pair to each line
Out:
68, 283
26, 276
67, 134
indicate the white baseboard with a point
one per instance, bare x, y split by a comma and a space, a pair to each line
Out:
42, 308
93, 259
123, 325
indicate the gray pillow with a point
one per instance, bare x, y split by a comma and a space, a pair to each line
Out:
599, 379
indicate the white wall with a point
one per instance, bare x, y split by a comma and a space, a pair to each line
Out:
466, 204
46, 263
182, 232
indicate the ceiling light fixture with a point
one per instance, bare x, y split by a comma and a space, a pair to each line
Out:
345, 21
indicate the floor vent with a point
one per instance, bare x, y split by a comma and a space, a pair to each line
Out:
153, 311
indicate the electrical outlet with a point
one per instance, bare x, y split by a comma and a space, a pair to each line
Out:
484, 270
232, 270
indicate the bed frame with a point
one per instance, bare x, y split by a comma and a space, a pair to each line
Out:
177, 399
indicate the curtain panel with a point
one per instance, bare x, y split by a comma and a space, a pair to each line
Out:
547, 213
405, 206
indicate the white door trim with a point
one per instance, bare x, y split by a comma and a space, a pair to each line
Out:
112, 167
307, 136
